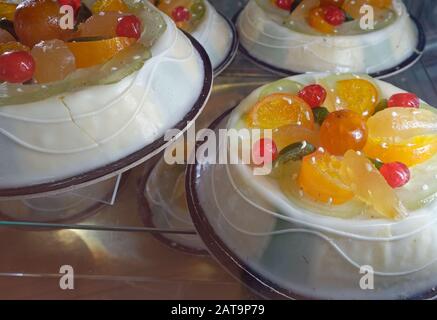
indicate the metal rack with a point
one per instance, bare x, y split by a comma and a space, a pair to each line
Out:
114, 255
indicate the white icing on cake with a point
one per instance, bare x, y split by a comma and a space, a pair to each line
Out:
79, 131
215, 35
268, 41
402, 253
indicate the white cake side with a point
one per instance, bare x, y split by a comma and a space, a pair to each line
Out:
281, 47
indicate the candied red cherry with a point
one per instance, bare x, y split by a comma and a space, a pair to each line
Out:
334, 15
313, 94
396, 174
16, 67
264, 151
129, 26
407, 100
181, 14
75, 4
284, 4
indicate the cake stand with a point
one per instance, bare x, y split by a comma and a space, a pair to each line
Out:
81, 194
258, 252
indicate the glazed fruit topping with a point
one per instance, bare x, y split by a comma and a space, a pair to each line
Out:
129, 26
320, 179
264, 151
37, 20
109, 5
334, 15
358, 95
316, 19
313, 94
91, 53
16, 67
396, 174
54, 61
284, 4
181, 14
342, 131
361, 152
337, 3
75, 4
407, 100
96, 36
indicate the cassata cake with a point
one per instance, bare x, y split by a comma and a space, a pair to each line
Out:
204, 23
327, 35
167, 206
73, 100
353, 185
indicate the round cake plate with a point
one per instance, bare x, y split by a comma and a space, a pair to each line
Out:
406, 64
236, 263
118, 167
232, 50
147, 215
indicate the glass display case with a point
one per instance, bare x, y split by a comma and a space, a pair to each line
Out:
107, 233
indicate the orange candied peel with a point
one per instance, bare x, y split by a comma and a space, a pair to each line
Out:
91, 53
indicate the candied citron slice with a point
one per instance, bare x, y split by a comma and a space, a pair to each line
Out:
320, 179
279, 110
407, 135
368, 184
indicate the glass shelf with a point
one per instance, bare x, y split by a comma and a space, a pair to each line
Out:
113, 254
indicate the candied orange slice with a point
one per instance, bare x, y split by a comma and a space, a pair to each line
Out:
358, 95
12, 46
320, 179
287, 135
352, 7
279, 110
317, 21
7, 10
109, 5
368, 184
91, 53
407, 135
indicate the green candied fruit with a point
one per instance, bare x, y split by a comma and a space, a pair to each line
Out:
320, 114
294, 152
281, 86
198, 9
